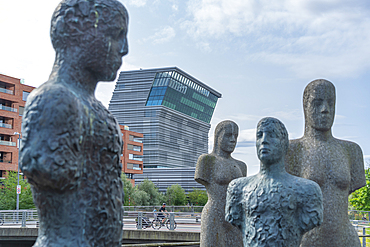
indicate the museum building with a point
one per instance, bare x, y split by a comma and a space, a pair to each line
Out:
171, 108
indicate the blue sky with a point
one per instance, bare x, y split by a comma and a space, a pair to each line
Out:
259, 54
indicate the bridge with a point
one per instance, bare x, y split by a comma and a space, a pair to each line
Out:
26, 237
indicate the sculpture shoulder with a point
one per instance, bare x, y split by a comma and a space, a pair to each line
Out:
240, 183
243, 167
293, 156
307, 187
351, 147
204, 168
52, 100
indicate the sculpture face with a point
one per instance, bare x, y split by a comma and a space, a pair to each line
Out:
319, 106
269, 144
227, 138
110, 51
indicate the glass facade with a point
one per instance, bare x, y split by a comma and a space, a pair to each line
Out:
177, 92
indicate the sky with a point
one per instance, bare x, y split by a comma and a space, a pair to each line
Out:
258, 54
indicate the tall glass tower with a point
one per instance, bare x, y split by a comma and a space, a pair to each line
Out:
173, 111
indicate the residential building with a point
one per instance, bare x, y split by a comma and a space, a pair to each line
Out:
13, 96
132, 153
171, 108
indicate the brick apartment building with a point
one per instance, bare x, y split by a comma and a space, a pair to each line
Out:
132, 154
13, 96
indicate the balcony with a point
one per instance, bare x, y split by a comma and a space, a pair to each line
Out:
7, 143
3, 90
7, 108
4, 125
135, 157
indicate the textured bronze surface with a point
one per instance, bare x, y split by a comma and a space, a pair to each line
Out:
71, 143
273, 208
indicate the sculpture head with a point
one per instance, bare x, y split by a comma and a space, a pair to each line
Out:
92, 34
226, 135
319, 104
271, 140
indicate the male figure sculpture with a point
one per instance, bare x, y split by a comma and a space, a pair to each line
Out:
71, 143
215, 171
336, 165
273, 208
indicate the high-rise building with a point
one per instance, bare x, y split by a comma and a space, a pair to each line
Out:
171, 108
13, 96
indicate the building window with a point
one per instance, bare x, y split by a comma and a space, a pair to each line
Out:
133, 166
25, 95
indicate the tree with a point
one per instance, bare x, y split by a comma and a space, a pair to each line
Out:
198, 197
360, 199
175, 195
149, 187
140, 198
128, 190
8, 193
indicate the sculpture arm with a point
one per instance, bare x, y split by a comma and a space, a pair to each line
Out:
358, 179
312, 205
49, 154
204, 169
234, 207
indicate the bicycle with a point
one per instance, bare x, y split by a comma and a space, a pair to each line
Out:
167, 222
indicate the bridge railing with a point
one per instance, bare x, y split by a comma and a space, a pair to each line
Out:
18, 217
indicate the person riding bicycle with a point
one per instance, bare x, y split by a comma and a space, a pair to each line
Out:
161, 211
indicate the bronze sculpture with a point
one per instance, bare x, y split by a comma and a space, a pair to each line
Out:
71, 143
273, 208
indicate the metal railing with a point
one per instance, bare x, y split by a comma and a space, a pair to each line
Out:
4, 125
8, 143
4, 90
18, 217
7, 108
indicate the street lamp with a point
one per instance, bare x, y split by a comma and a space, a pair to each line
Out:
19, 143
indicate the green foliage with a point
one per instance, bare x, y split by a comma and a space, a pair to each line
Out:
128, 189
8, 193
175, 195
140, 197
198, 197
149, 187
360, 199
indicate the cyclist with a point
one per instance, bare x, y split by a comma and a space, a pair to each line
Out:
161, 211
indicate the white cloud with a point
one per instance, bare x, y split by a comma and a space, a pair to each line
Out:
137, 3
175, 7
326, 38
163, 35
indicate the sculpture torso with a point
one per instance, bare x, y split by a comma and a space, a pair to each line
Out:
70, 154
273, 211
335, 166
215, 173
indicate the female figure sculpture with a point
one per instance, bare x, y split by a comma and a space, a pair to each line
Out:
336, 165
71, 143
215, 171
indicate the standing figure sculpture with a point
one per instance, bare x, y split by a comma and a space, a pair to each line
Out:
215, 171
273, 208
336, 165
71, 143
